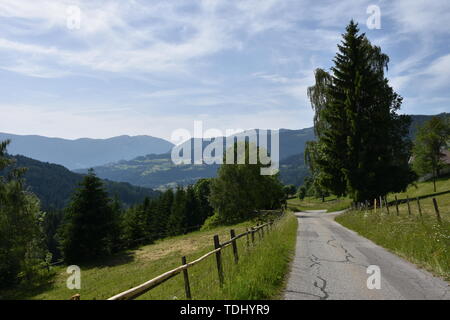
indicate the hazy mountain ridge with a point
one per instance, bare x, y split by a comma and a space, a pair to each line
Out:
84, 152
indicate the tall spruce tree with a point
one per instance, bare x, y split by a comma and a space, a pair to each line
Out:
362, 148
91, 223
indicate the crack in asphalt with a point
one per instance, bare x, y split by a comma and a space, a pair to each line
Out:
329, 242
314, 260
322, 288
348, 255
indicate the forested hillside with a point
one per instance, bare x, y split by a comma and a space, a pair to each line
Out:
54, 184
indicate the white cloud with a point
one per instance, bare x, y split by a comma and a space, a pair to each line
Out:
228, 61
130, 36
419, 16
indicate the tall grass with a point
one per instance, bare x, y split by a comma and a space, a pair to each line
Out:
261, 274
419, 239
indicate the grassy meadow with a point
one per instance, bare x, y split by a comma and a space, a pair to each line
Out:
422, 188
259, 274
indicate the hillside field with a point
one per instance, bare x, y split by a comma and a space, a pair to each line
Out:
259, 274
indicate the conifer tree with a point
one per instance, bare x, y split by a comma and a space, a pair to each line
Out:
90, 224
362, 148
22, 241
203, 191
177, 221
162, 213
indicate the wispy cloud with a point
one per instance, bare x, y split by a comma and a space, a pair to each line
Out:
155, 64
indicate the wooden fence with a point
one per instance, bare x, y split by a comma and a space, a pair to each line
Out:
183, 268
381, 202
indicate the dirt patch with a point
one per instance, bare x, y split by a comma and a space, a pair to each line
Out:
168, 247
184, 246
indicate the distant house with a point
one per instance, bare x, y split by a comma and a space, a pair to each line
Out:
445, 159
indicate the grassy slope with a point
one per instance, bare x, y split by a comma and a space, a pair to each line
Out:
257, 275
423, 188
419, 239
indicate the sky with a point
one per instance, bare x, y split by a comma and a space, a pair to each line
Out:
88, 68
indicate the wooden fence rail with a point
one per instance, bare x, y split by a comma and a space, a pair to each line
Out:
407, 200
153, 283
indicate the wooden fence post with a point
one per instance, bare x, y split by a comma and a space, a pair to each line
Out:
409, 207
218, 259
436, 209
386, 205
262, 231
381, 205
374, 205
253, 235
234, 244
396, 205
418, 205
247, 237
187, 287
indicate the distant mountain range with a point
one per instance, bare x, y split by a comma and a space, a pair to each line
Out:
84, 153
145, 161
158, 171
54, 184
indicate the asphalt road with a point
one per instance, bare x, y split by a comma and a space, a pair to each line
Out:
331, 263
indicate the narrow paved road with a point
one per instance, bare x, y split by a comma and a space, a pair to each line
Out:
331, 263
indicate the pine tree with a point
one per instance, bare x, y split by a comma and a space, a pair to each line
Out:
177, 221
203, 191
22, 241
162, 213
362, 148
90, 225
194, 217
134, 227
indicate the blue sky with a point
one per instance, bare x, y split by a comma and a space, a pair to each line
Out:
150, 67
